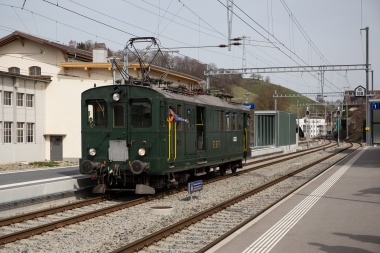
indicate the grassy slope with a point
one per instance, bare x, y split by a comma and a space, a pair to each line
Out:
254, 86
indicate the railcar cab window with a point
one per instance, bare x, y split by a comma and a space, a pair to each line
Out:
141, 112
96, 113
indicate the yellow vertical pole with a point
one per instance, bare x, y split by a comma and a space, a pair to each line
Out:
175, 140
245, 144
169, 139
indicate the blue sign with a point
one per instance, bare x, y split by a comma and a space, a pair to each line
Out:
375, 105
194, 186
250, 106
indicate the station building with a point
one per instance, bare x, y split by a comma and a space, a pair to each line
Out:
40, 94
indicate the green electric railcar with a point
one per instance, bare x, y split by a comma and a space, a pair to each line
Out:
129, 143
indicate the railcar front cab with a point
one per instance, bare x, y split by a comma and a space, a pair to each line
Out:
105, 150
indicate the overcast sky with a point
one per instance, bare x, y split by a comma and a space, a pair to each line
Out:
280, 32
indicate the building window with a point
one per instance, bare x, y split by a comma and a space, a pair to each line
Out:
7, 98
14, 70
29, 132
20, 132
34, 71
7, 132
20, 99
29, 100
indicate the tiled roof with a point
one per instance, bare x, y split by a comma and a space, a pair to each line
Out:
79, 53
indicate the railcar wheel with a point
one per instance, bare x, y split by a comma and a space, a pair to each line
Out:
222, 170
233, 169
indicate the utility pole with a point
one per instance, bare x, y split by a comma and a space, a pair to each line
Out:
125, 66
275, 100
208, 79
244, 63
230, 4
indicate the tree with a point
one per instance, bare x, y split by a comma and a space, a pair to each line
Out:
81, 45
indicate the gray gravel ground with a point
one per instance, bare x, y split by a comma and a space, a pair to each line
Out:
106, 233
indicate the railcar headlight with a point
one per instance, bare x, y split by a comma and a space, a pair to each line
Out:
116, 96
92, 152
142, 151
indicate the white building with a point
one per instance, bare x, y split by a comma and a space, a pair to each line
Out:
313, 127
40, 91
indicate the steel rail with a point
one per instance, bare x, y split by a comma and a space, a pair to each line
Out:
71, 220
32, 215
161, 234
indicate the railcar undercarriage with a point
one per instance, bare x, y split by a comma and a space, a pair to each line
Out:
116, 179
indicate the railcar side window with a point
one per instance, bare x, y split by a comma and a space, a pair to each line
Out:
141, 113
240, 121
221, 120
96, 113
234, 120
118, 116
228, 121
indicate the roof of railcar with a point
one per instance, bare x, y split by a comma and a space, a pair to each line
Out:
195, 99
200, 99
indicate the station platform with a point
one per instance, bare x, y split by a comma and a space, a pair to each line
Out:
338, 212
32, 184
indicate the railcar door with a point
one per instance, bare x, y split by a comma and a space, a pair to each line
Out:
200, 128
191, 130
117, 150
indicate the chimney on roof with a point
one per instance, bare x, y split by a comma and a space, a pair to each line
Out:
72, 44
99, 53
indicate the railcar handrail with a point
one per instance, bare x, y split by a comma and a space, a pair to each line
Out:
169, 139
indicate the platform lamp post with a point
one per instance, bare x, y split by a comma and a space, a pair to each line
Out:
368, 116
307, 113
325, 124
346, 98
338, 116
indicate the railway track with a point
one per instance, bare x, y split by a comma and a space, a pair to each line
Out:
60, 222
206, 229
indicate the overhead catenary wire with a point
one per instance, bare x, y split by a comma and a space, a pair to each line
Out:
274, 37
305, 35
123, 22
198, 46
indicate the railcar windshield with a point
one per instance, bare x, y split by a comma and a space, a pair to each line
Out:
118, 116
141, 112
96, 113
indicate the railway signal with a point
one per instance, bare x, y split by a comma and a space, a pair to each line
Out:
307, 113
